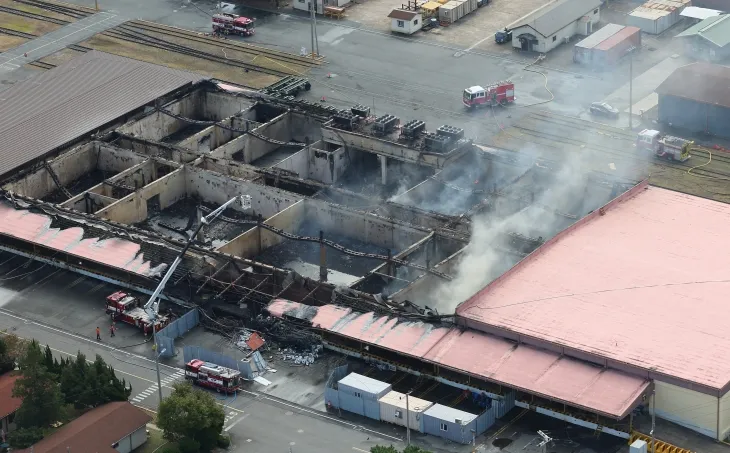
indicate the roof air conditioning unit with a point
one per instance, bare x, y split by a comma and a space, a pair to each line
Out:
457, 421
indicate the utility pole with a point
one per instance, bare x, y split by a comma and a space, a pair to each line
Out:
408, 422
312, 5
631, 87
653, 420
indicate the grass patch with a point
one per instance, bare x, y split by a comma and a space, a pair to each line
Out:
154, 441
8, 42
35, 10
26, 25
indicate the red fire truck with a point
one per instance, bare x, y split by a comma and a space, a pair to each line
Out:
500, 93
233, 24
126, 308
219, 378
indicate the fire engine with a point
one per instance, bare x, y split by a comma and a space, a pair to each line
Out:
500, 93
664, 146
219, 378
126, 308
233, 24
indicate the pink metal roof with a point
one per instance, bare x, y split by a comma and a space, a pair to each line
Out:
643, 281
36, 228
537, 371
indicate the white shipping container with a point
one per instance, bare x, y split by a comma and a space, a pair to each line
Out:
470, 6
461, 8
474, 5
393, 410
448, 13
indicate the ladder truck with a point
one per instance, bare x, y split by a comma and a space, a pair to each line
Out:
126, 308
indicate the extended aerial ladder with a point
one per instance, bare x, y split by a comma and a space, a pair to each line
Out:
152, 306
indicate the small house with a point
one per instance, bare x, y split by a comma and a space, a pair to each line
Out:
554, 23
360, 394
8, 404
449, 423
709, 39
403, 410
406, 22
115, 427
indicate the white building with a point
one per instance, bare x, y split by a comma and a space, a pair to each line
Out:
303, 5
406, 22
554, 23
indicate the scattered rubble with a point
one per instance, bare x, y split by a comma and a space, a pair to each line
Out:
305, 358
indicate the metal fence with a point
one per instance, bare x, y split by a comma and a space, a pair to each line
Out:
331, 394
178, 328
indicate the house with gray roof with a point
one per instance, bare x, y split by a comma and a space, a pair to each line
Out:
554, 23
709, 39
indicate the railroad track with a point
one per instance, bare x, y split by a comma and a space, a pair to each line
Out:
17, 12
65, 9
8, 31
151, 41
42, 65
233, 44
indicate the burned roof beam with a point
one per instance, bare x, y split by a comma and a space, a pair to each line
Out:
218, 271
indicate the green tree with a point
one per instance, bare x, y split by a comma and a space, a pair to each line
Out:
190, 416
85, 385
414, 449
41, 395
7, 363
382, 449
24, 437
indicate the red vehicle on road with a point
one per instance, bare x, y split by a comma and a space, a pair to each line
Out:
126, 308
216, 377
500, 93
233, 24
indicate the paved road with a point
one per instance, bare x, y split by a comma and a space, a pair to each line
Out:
58, 39
411, 78
62, 309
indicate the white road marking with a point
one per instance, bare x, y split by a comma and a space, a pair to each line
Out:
235, 423
359, 449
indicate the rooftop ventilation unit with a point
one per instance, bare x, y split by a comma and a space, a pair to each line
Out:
361, 111
412, 128
385, 124
455, 133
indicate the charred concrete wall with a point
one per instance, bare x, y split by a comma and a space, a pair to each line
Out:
372, 229
229, 168
152, 148
161, 193
247, 148
217, 188
317, 164
73, 165
157, 125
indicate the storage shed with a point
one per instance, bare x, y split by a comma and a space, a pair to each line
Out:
656, 16
360, 394
451, 11
695, 97
395, 409
583, 51
554, 23
614, 48
406, 22
709, 39
449, 423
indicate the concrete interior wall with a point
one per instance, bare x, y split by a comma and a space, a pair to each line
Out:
217, 188
372, 229
133, 208
229, 168
75, 164
157, 125
151, 148
89, 202
316, 163
425, 285
253, 242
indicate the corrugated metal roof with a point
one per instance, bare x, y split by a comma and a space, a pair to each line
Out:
599, 36
617, 38
541, 372
364, 383
696, 12
649, 13
398, 400
36, 228
588, 288
403, 14
555, 15
55, 107
713, 29
702, 82
449, 414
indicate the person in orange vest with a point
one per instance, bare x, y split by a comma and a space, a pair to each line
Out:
98, 334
